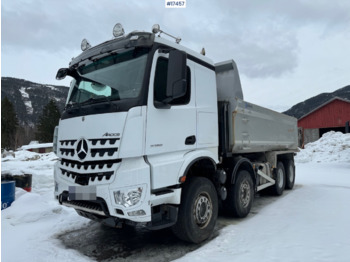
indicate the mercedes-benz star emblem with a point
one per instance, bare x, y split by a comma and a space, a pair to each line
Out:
82, 148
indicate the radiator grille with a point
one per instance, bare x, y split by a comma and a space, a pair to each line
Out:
95, 163
90, 165
85, 178
98, 148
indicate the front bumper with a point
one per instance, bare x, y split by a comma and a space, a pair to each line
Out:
130, 173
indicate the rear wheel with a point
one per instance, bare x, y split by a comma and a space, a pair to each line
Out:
198, 210
240, 195
280, 179
290, 174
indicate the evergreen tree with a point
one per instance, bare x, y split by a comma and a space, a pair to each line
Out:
47, 122
9, 124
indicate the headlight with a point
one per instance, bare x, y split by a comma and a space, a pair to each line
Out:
128, 197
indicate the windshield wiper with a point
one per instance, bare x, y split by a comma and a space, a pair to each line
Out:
99, 100
71, 107
71, 104
90, 101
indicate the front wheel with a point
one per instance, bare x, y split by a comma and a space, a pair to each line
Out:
198, 210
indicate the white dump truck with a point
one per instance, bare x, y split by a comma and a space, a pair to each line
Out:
155, 133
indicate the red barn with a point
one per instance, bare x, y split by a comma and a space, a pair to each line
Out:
332, 115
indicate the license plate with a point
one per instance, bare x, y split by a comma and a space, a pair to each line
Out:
82, 192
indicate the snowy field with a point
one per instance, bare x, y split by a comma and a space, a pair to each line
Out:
309, 223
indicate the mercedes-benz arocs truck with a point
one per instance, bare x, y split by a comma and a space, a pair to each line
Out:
155, 133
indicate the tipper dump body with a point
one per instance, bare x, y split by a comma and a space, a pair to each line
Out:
246, 127
258, 129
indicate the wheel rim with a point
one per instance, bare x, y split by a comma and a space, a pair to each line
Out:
291, 174
203, 210
280, 178
244, 193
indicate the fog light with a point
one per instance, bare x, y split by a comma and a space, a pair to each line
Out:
137, 213
129, 197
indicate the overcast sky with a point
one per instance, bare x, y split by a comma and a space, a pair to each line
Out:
286, 51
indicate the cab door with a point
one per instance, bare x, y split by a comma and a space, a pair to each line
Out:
170, 128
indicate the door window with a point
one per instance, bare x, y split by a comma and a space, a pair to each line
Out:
160, 83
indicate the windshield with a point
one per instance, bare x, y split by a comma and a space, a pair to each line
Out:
115, 77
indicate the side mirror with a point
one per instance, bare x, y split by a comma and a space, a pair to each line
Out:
62, 73
176, 80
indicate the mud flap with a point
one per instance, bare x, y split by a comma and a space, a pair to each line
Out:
163, 216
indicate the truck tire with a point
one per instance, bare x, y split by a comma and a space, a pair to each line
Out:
198, 210
280, 178
290, 174
240, 195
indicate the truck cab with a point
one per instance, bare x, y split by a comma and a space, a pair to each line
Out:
138, 141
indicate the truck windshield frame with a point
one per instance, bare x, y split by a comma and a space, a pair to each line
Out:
114, 77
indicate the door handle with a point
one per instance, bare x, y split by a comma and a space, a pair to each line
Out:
190, 140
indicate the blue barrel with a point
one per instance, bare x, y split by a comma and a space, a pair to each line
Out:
8, 189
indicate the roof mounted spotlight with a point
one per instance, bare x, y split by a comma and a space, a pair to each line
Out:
118, 30
85, 45
156, 30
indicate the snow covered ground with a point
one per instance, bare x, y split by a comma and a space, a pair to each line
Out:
29, 226
309, 223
